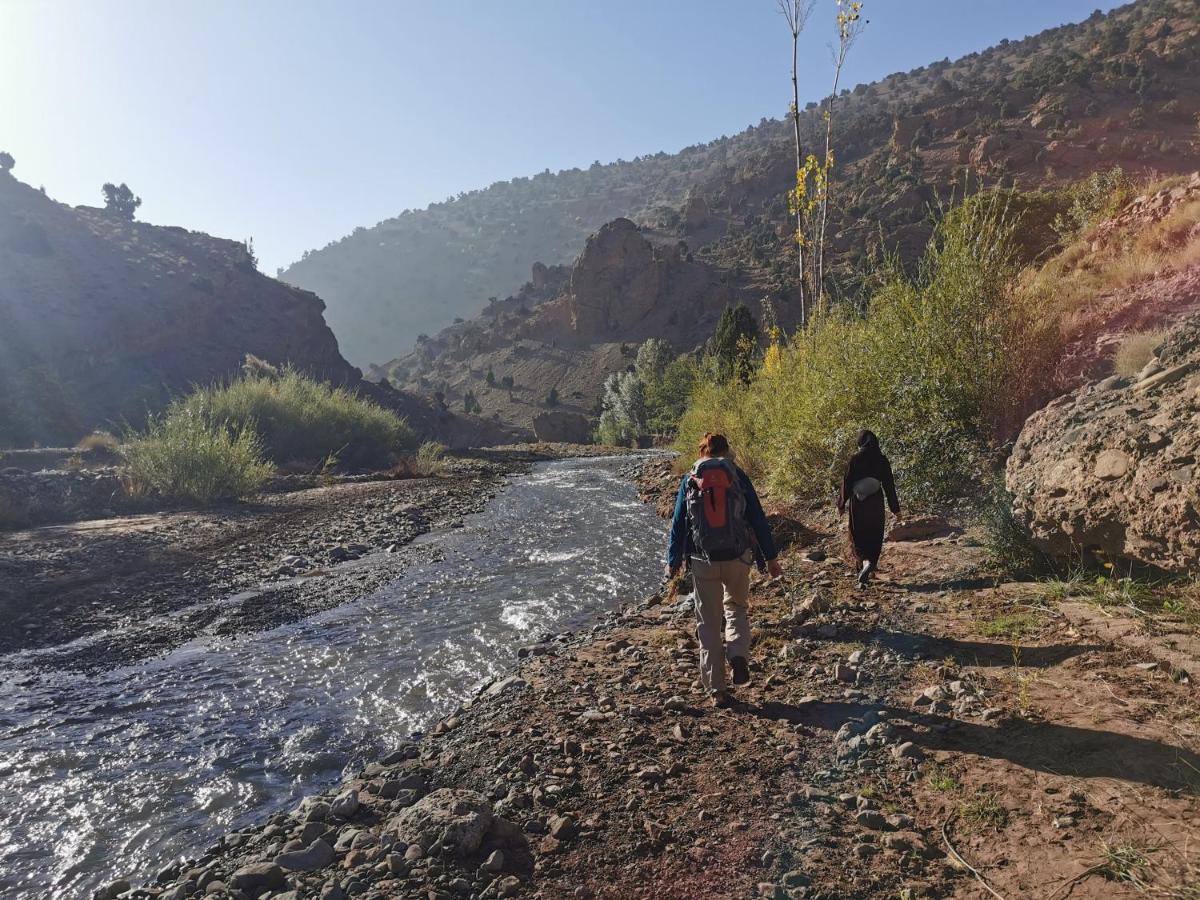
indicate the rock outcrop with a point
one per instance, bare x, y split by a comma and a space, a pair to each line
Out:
560, 426
1112, 468
617, 280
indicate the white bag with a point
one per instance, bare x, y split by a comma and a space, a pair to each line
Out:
866, 487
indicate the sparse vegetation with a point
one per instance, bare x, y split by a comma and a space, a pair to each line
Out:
430, 460
6, 161
984, 811
1135, 351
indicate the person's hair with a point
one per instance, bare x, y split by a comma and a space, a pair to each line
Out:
713, 444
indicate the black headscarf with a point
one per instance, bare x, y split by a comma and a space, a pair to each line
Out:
868, 442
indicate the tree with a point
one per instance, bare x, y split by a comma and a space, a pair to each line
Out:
653, 357
796, 13
491, 376
735, 343
120, 200
552, 397
6, 161
623, 409
850, 24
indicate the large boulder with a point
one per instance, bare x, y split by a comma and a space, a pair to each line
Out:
1112, 467
560, 426
455, 817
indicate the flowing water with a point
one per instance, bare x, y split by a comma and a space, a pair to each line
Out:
116, 774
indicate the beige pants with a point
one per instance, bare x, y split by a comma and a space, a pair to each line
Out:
722, 593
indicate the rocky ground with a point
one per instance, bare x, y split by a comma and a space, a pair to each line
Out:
940, 735
148, 583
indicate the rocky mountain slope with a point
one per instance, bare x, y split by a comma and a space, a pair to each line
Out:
103, 319
566, 331
1117, 89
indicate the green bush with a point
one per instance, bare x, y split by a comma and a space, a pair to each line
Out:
185, 456
298, 419
941, 366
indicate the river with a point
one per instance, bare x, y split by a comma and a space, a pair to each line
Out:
114, 775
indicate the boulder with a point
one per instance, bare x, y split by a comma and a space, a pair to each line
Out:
456, 817
558, 426
1112, 467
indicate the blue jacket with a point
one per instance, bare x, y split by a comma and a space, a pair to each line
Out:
680, 546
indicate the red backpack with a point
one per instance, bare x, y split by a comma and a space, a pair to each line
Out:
716, 507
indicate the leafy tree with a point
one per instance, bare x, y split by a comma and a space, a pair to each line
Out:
653, 357
6, 161
735, 343
491, 376
552, 397
623, 415
507, 381
120, 200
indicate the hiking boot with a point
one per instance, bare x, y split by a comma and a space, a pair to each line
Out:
721, 700
864, 577
741, 670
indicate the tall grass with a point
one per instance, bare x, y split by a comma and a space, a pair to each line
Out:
944, 364
184, 456
298, 419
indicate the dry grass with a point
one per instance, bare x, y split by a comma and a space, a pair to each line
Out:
1135, 351
99, 440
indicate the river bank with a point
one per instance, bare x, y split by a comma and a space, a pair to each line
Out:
149, 582
908, 742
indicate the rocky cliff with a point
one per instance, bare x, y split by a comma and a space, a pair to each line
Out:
103, 319
1111, 468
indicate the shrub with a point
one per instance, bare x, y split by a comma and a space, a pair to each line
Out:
430, 459
944, 363
184, 456
1135, 351
99, 440
298, 419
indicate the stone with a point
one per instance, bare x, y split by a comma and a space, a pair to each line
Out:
508, 886
494, 864
563, 828
872, 819
843, 672
460, 817
257, 877
345, 804
316, 855
907, 750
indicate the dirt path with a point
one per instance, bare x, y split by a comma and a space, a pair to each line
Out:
889, 740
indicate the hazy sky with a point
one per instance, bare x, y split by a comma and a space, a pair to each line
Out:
293, 121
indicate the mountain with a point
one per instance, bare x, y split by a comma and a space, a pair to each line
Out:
103, 319
1120, 89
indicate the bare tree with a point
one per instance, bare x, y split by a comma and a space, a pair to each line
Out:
850, 24
796, 13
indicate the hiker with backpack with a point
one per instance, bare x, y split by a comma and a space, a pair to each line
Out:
719, 529
868, 480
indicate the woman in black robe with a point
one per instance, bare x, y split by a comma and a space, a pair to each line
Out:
867, 481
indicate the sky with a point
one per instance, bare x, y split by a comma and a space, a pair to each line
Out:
294, 121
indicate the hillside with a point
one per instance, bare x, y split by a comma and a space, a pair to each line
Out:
1117, 89
103, 319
